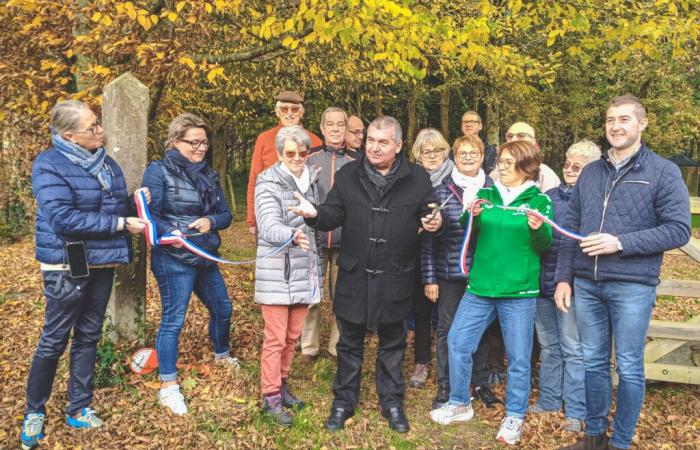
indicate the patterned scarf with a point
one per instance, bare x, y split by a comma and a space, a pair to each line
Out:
94, 163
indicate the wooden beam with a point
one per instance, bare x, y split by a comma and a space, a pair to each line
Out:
679, 288
657, 348
674, 330
692, 249
672, 372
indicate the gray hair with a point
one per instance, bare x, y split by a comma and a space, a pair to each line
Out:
383, 122
586, 149
179, 126
293, 133
332, 109
429, 136
65, 115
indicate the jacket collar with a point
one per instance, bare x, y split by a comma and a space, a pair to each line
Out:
635, 161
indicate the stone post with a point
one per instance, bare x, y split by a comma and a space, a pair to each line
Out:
125, 121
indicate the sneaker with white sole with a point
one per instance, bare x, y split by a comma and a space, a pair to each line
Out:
229, 361
450, 413
32, 430
511, 430
172, 399
86, 419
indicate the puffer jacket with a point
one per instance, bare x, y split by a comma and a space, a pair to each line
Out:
645, 204
175, 204
292, 276
440, 253
71, 206
560, 202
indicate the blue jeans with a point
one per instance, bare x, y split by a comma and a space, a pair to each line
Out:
474, 314
176, 282
77, 306
607, 310
561, 360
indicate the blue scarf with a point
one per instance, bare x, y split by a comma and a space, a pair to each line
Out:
94, 163
204, 179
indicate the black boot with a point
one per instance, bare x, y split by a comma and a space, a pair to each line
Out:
485, 394
588, 442
289, 400
272, 406
442, 397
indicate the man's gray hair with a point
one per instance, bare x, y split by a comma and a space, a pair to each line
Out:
65, 116
383, 122
586, 149
293, 133
332, 109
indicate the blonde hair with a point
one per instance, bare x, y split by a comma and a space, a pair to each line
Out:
586, 149
429, 136
179, 126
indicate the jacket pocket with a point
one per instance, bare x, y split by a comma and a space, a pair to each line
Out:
402, 280
348, 280
346, 262
63, 289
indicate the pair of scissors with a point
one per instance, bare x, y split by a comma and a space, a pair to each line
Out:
439, 207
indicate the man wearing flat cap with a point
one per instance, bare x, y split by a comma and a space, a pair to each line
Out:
289, 109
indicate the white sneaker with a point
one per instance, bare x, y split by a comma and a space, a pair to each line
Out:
228, 361
171, 398
450, 413
511, 430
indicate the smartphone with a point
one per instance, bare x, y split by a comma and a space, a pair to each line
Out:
77, 259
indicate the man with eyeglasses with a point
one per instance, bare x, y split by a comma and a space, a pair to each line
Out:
329, 157
471, 126
289, 110
632, 205
521, 131
355, 135
381, 201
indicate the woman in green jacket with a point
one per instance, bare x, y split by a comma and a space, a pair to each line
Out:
503, 282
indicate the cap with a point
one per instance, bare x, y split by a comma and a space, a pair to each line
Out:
521, 127
289, 96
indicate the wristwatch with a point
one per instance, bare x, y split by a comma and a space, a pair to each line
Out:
619, 246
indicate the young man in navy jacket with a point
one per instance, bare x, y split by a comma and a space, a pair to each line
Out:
631, 205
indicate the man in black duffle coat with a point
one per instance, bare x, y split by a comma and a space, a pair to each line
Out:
381, 201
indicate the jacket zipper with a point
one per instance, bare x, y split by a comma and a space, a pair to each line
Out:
602, 219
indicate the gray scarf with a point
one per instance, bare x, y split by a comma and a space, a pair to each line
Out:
439, 174
379, 180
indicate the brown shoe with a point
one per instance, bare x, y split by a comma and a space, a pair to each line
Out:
588, 442
420, 376
309, 359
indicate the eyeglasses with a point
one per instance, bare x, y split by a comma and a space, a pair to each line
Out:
505, 163
575, 168
432, 153
196, 143
286, 109
301, 153
510, 136
472, 154
471, 123
383, 144
92, 130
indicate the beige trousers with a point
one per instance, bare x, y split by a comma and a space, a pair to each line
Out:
311, 333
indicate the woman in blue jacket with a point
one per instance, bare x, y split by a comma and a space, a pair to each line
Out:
187, 200
82, 208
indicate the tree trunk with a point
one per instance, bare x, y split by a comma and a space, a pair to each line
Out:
445, 112
412, 119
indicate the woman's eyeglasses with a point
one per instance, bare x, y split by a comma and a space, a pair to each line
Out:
468, 155
92, 130
504, 163
575, 168
196, 143
290, 154
432, 153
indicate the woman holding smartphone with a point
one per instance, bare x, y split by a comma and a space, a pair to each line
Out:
82, 234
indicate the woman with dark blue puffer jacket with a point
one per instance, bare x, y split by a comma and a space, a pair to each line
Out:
82, 234
443, 280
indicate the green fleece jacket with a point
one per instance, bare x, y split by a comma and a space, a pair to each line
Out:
507, 256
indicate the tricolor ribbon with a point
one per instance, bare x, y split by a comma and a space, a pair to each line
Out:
154, 240
470, 223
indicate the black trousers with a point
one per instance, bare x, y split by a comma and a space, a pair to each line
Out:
422, 322
74, 305
388, 369
450, 293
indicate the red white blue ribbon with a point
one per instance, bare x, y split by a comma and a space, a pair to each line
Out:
154, 240
464, 268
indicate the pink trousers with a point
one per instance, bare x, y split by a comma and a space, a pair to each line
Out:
283, 326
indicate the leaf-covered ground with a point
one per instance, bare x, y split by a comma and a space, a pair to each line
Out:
224, 404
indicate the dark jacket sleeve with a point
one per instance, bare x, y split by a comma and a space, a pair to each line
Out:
154, 180
331, 213
222, 217
427, 259
567, 249
55, 199
672, 206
